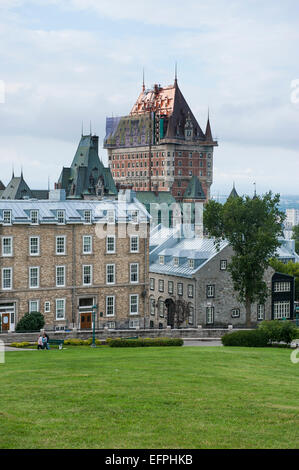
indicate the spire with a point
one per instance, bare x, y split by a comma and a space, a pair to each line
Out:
254, 196
233, 192
176, 74
143, 85
13, 172
208, 132
82, 129
22, 172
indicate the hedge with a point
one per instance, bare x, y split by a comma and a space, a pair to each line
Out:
251, 338
20, 345
144, 342
279, 330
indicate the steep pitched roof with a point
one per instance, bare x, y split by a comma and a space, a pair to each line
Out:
233, 192
2, 187
17, 188
208, 132
194, 189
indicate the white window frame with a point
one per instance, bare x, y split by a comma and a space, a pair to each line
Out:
56, 309
282, 286
191, 315
137, 273
107, 306
34, 237
210, 291
56, 276
87, 216
152, 306
134, 215
170, 283
176, 261
161, 259
61, 216
30, 277
152, 283
34, 211
134, 323
7, 212
90, 274
191, 263
137, 303
190, 290
210, 315
110, 216
180, 288
47, 304
223, 265
83, 244
107, 244
236, 312
30, 308
64, 245
131, 238
10, 278
7, 255
107, 267
261, 312
281, 309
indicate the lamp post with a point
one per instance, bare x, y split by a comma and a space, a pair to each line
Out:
94, 309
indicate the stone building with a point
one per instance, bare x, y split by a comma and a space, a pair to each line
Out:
62, 258
160, 145
192, 269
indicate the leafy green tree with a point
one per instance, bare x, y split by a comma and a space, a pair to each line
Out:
252, 227
33, 321
288, 268
295, 236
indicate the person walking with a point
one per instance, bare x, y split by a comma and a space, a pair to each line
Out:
45, 342
40, 342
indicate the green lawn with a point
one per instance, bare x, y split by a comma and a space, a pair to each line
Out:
166, 397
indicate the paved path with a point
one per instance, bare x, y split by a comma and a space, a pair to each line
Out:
9, 348
203, 343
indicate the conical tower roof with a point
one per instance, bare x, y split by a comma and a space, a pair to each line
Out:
233, 192
194, 189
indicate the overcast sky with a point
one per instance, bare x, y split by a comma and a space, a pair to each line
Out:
64, 61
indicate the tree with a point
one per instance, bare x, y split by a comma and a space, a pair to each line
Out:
295, 236
178, 311
33, 321
287, 268
252, 227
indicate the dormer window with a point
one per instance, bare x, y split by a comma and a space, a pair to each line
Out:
175, 261
134, 216
161, 259
87, 217
7, 217
191, 263
111, 216
34, 217
61, 216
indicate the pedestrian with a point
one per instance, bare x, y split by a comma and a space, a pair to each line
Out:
40, 342
45, 342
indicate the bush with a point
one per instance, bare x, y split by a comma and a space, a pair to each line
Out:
20, 345
33, 321
251, 338
74, 342
279, 330
144, 342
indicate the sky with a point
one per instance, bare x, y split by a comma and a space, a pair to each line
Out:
67, 61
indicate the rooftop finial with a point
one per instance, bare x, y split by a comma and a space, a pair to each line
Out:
13, 172
254, 184
176, 73
22, 171
143, 85
82, 129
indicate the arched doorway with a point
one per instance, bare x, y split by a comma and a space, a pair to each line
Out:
169, 304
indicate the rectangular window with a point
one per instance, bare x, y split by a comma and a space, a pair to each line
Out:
134, 304
110, 273
281, 309
170, 287
134, 216
152, 283
134, 323
60, 276
175, 261
235, 313
111, 325
161, 259
110, 305
191, 316
7, 217
161, 308
223, 265
211, 291
134, 244
33, 306
282, 286
87, 217
60, 245
180, 288
110, 216
6, 278
210, 315
47, 307
87, 275
34, 277
34, 246
60, 309
34, 217
134, 273
190, 290
110, 244
191, 263
161, 285
152, 306
87, 244
261, 312
6, 246
61, 216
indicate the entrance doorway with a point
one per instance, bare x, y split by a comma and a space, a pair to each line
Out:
85, 320
169, 303
7, 317
5, 323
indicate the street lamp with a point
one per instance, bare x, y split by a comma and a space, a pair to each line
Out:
94, 309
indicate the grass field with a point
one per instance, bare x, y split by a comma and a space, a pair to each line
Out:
146, 398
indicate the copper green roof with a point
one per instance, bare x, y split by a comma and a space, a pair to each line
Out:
159, 197
194, 189
17, 188
233, 193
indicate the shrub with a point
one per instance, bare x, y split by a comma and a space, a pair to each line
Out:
277, 330
144, 342
33, 321
74, 342
251, 338
20, 345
